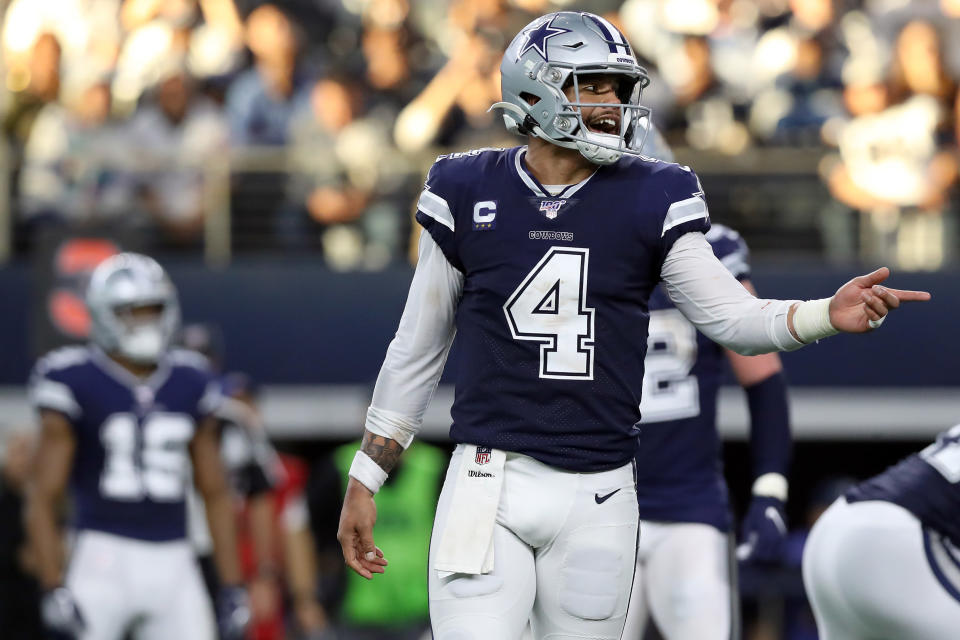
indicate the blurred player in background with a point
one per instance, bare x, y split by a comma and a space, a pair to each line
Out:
123, 422
542, 260
251, 467
883, 562
272, 518
683, 575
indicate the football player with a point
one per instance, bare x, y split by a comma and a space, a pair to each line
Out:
542, 259
123, 422
683, 577
883, 562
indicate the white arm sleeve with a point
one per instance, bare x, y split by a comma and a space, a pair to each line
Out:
416, 355
718, 305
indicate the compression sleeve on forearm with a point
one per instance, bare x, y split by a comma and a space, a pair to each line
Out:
770, 442
416, 355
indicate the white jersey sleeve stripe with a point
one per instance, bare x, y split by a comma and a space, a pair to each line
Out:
684, 211
47, 394
436, 207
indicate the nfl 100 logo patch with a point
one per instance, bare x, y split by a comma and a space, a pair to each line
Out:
484, 454
551, 208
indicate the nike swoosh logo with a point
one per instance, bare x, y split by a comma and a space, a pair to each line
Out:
601, 499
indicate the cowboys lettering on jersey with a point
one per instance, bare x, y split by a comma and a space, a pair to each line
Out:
681, 491
884, 560
126, 424
541, 259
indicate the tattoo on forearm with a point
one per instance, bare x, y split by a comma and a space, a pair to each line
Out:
384, 451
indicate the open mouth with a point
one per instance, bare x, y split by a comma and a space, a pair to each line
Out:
605, 124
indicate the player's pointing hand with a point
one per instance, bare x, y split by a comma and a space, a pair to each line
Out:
355, 533
861, 304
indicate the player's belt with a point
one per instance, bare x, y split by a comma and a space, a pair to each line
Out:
466, 542
944, 559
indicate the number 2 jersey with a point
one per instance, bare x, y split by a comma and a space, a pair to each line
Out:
131, 465
679, 467
927, 484
552, 321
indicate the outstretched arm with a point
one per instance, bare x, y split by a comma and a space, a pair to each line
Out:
715, 302
407, 381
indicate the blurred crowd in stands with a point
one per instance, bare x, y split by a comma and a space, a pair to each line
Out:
312, 122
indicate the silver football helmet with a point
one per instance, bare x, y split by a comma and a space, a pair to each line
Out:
120, 285
556, 51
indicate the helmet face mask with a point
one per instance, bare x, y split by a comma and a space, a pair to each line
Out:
133, 308
561, 50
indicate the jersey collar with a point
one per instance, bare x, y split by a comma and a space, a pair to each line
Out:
107, 364
534, 185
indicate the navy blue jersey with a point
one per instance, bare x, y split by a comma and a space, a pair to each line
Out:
679, 470
552, 323
131, 465
927, 484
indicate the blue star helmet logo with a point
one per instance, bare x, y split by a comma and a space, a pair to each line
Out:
537, 38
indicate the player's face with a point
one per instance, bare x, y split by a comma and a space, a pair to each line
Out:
143, 336
134, 317
599, 88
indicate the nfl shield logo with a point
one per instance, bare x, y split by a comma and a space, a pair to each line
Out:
483, 454
551, 208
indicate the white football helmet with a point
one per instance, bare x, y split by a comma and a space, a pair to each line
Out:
555, 51
119, 285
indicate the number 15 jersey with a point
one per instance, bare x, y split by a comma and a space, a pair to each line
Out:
552, 322
131, 465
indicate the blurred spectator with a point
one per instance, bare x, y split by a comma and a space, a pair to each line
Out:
19, 594
177, 132
894, 166
351, 200
262, 100
73, 157
41, 78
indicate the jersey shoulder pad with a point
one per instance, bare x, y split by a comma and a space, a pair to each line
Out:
190, 360
62, 359
452, 171
730, 249
54, 378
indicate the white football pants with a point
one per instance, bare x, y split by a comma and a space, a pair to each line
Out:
154, 588
682, 580
563, 560
868, 577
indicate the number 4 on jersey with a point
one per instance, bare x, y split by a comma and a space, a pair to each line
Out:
549, 307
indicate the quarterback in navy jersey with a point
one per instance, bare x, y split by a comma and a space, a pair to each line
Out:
126, 424
883, 562
541, 260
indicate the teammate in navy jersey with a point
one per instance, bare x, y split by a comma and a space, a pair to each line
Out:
125, 423
883, 562
542, 260
683, 577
